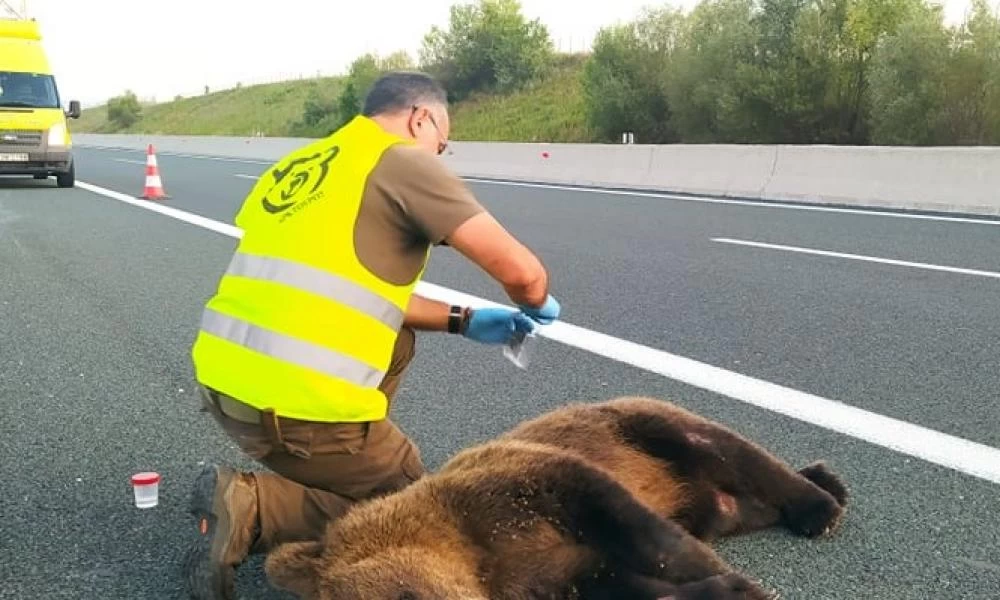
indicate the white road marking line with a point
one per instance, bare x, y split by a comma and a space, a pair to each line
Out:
139, 162
768, 204
182, 155
874, 259
230, 230
871, 212
965, 456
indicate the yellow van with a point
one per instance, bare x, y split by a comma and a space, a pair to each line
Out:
34, 133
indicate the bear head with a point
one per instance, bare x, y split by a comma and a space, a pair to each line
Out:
311, 572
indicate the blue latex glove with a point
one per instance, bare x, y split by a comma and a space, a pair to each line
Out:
496, 325
548, 312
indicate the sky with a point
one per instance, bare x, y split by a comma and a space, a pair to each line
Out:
159, 49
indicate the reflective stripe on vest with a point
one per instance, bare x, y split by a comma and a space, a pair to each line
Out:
318, 282
289, 349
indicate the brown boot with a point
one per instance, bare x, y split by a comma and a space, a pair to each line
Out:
225, 504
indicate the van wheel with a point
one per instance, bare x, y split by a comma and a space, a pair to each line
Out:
67, 179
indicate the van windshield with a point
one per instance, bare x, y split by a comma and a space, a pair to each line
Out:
28, 90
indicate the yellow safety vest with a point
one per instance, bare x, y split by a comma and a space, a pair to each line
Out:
298, 324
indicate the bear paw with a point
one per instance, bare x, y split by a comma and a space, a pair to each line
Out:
814, 516
731, 586
822, 476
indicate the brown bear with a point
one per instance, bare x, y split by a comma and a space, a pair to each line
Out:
613, 499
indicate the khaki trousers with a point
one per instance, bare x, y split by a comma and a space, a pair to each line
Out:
319, 469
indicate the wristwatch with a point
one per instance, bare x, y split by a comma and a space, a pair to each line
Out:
458, 318
454, 319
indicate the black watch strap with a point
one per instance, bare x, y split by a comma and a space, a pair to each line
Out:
454, 319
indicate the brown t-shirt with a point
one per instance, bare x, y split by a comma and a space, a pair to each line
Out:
411, 200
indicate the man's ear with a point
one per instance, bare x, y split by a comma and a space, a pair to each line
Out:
295, 567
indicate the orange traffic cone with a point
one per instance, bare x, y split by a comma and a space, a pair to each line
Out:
154, 187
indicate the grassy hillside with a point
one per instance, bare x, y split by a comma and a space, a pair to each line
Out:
269, 108
552, 110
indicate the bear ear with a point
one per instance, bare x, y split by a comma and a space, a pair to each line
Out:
295, 567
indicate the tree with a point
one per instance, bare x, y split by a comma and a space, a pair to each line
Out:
365, 70
789, 87
971, 109
820, 50
488, 47
323, 114
713, 71
124, 110
908, 71
865, 24
622, 79
363, 73
319, 115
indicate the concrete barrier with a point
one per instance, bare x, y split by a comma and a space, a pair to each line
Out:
695, 169
254, 148
955, 180
963, 179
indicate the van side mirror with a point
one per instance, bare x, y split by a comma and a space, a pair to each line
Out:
74, 109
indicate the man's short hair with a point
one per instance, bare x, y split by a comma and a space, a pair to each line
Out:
399, 90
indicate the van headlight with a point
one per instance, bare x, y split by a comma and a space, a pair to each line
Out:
57, 135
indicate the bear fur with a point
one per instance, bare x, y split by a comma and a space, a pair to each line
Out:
615, 499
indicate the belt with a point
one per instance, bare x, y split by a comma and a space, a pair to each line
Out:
237, 410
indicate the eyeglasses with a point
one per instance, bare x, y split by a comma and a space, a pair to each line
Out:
442, 143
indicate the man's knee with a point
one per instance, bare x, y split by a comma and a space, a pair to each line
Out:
408, 470
413, 465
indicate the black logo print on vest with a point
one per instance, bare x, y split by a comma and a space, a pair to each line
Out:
290, 181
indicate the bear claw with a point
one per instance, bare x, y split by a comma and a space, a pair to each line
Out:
731, 586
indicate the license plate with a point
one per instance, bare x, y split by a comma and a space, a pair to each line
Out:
20, 157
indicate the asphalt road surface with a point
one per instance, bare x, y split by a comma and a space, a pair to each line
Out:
101, 300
